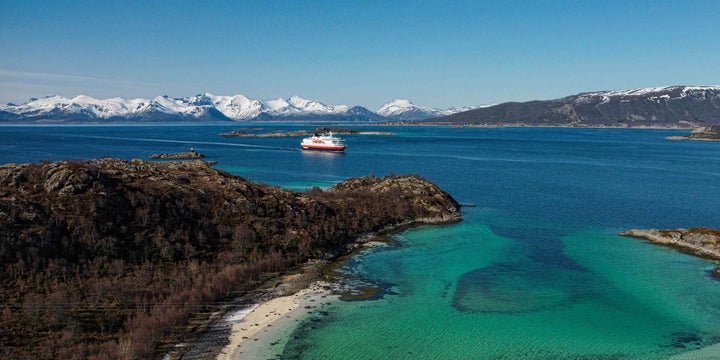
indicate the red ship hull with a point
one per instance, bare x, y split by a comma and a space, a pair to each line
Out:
323, 147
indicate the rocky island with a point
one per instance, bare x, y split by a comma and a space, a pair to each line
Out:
186, 155
702, 242
705, 133
255, 132
112, 258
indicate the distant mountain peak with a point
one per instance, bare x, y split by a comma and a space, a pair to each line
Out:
201, 107
400, 102
297, 99
401, 109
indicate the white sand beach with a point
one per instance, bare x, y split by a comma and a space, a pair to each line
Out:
252, 325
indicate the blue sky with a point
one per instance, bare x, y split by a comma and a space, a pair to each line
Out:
434, 53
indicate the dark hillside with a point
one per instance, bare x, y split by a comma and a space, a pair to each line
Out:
106, 258
672, 106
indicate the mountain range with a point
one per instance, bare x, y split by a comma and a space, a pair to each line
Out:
405, 110
204, 107
669, 106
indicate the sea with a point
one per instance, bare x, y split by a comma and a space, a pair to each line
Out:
536, 269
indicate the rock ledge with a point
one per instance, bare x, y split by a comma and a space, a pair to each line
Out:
705, 133
701, 242
187, 155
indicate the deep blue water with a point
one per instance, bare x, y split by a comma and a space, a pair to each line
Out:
536, 270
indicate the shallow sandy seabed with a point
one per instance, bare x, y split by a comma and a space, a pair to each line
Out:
706, 353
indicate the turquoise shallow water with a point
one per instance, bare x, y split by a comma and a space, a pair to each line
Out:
464, 292
535, 271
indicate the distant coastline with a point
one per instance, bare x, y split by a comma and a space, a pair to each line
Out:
253, 129
705, 133
538, 126
260, 132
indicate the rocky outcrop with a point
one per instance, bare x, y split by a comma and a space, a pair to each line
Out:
149, 243
437, 205
255, 132
702, 242
186, 155
703, 133
282, 133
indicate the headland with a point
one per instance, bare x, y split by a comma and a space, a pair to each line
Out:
704, 133
116, 258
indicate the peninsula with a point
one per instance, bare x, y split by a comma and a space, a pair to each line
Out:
702, 242
704, 133
113, 258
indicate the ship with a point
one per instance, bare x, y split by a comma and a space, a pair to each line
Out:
326, 142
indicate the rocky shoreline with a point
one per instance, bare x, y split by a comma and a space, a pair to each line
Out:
706, 133
218, 336
701, 242
214, 333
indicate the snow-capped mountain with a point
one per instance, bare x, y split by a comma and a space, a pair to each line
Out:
399, 109
237, 107
659, 106
204, 107
84, 108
